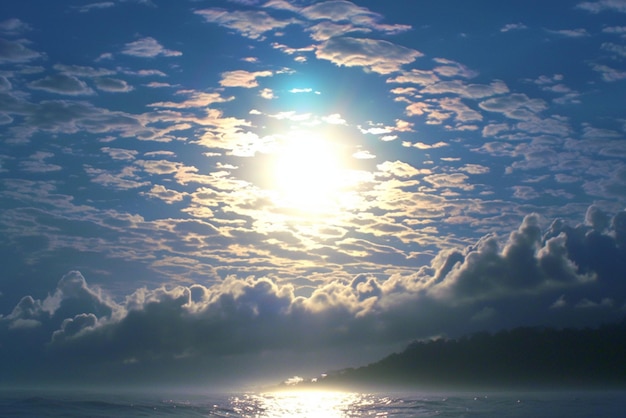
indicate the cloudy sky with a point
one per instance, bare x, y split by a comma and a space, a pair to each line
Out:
226, 189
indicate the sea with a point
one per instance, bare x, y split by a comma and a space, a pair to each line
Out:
314, 404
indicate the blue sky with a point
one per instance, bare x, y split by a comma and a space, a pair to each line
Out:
301, 185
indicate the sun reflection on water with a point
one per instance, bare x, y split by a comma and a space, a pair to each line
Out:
298, 404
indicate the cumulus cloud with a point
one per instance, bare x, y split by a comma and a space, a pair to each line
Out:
378, 56
250, 23
95, 6
195, 99
555, 277
148, 47
14, 27
450, 68
16, 51
36, 163
242, 78
62, 84
514, 106
470, 91
513, 26
609, 74
603, 5
618, 50
82, 71
113, 85
345, 11
571, 33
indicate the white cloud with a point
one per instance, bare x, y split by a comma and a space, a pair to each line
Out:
196, 99
513, 26
363, 155
609, 74
618, 50
470, 91
148, 47
603, 5
95, 6
571, 33
514, 106
450, 68
345, 11
242, 78
36, 163
251, 23
378, 56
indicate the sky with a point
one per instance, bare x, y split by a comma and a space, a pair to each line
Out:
221, 190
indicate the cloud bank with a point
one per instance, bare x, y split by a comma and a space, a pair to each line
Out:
562, 276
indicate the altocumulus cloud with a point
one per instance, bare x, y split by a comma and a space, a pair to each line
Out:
561, 275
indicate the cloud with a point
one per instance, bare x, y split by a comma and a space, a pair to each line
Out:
95, 6
514, 106
62, 84
36, 163
196, 99
5, 84
363, 155
609, 74
325, 30
14, 27
148, 47
167, 195
513, 26
120, 154
16, 51
242, 78
378, 56
345, 11
415, 76
113, 85
338, 10
82, 71
450, 68
571, 33
470, 91
618, 50
559, 276
250, 23
618, 30
603, 5
463, 112
397, 169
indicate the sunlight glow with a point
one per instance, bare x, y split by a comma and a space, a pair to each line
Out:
309, 174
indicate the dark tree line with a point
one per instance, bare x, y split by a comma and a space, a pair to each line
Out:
522, 357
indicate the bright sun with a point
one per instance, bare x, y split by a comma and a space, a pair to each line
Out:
308, 174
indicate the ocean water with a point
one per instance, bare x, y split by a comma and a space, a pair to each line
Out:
587, 404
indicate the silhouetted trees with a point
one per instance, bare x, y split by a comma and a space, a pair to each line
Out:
521, 357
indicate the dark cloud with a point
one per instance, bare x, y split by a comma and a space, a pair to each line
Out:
113, 85
16, 52
552, 277
62, 84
